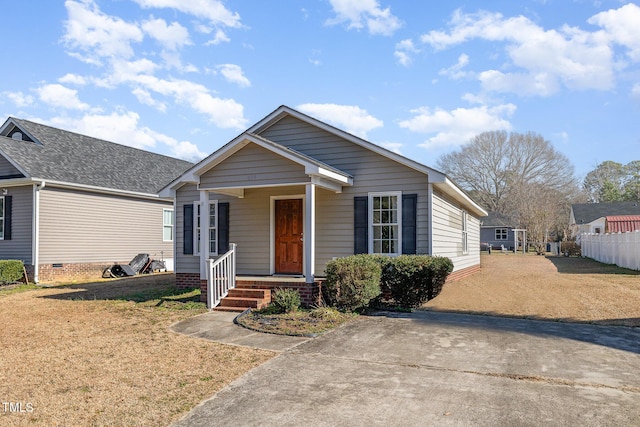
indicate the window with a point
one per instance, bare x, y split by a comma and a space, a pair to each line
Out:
385, 216
1, 218
167, 225
465, 233
213, 228
502, 234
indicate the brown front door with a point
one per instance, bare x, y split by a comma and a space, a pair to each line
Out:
288, 231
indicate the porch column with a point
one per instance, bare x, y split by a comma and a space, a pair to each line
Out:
204, 233
310, 233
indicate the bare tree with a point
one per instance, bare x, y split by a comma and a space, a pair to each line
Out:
495, 163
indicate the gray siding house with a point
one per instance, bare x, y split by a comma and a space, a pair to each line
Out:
71, 205
293, 193
496, 232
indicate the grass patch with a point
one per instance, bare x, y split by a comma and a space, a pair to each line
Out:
304, 322
169, 297
17, 288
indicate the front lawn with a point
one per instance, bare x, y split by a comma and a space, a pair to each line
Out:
102, 354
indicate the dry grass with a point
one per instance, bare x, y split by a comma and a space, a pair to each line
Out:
80, 358
297, 323
554, 288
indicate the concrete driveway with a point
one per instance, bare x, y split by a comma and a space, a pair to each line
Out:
441, 369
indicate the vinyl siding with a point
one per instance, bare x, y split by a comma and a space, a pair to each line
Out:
253, 164
7, 169
19, 247
77, 227
447, 233
184, 263
371, 172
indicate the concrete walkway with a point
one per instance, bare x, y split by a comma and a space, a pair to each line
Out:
218, 326
440, 369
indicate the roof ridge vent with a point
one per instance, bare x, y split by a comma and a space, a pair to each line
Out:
17, 136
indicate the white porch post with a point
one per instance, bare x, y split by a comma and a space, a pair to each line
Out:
204, 233
310, 233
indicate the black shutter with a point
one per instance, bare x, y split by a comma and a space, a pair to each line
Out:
7, 217
187, 229
409, 220
361, 225
223, 228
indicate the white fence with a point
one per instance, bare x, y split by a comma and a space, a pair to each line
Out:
221, 276
622, 249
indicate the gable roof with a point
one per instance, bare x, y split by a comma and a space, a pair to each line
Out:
495, 219
437, 178
51, 154
584, 213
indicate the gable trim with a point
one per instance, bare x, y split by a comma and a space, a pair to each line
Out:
11, 122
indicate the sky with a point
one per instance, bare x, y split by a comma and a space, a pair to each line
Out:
184, 77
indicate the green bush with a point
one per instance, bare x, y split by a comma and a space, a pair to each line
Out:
413, 280
10, 271
286, 300
352, 282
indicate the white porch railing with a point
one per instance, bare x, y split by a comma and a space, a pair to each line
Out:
221, 276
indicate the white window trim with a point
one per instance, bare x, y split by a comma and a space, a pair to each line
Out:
398, 195
165, 225
465, 233
2, 219
504, 234
197, 231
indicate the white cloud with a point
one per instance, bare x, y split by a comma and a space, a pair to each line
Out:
144, 97
213, 11
456, 127
171, 37
233, 74
74, 79
219, 37
404, 52
97, 34
622, 26
125, 129
455, 71
635, 91
361, 13
60, 96
19, 99
546, 59
351, 118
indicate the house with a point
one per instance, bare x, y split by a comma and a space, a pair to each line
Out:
293, 193
71, 205
497, 232
592, 217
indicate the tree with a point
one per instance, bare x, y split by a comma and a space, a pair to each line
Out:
606, 182
495, 164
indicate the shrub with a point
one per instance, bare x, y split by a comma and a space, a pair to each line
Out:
286, 300
413, 280
352, 282
10, 271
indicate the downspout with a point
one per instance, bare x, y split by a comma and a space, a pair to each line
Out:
35, 238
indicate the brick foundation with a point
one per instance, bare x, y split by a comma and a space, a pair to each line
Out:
70, 272
460, 274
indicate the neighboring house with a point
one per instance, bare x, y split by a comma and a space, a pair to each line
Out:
71, 205
294, 193
496, 232
591, 217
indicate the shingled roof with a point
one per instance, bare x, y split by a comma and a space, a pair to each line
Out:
584, 213
54, 154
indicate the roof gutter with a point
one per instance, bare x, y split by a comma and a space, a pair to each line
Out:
35, 235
